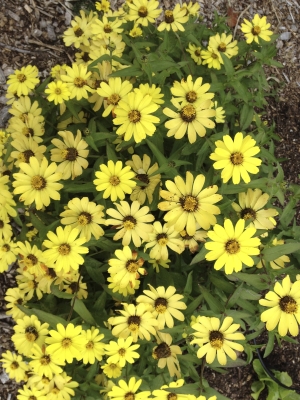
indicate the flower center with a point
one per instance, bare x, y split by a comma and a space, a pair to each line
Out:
191, 96
185, 236
189, 203
288, 305
1, 224
25, 155
248, 213
237, 158
31, 333
132, 266
143, 12
45, 360
143, 178
114, 180
216, 339
38, 182
78, 32
256, 30
161, 305
169, 18
107, 28
133, 323
134, 116
113, 99
222, 47
188, 113
129, 222
214, 56
162, 239
172, 396
14, 365
21, 78
197, 53
232, 246
70, 154
30, 260
79, 82
84, 218
64, 249
122, 352
162, 351
28, 132
90, 345
129, 396
57, 91
66, 342
5, 248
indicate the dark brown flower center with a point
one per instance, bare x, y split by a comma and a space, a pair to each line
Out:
1, 224
45, 360
162, 239
132, 266
113, 99
237, 158
214, 56
14, 365
162, 351
232, 246
172, 396
129, 222
28, 132
169, 18
191, 96
133, 323
74, 287
129, 396
134, 116
216, 339
70, 154
189, 203
143, 178
143, 12
38, 182
78, 32
66, 342
197, 53
107, 28
114, 180
89, 345
256, 30
288, 305
222, 47
21, 78
161, 305
30, 260
248, 213
26, 155
188, 113
84, 218
64, 249
31, 333
79, 82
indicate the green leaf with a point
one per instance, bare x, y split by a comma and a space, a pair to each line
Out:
129, 71
211, 300
228, 65
259, 281
91, 143
246, 116
248, 294
270, 344
194, 304
221, 283
159, 156
235, 296
84, 313
62, 295
188, 286
200, 256
79, 187
257, 387
274, 252
43, 316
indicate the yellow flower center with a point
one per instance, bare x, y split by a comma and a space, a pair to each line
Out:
66, 342
14, 365
134, 116
189, 203
248, 213
122, 352
55, 390
79, 82
31, 333
143, 12
90, 345
107, 28
28, 132
113, 99
191, 96
216, 339
5, 248
288, 305
232, 246
21, 78
162, 351
25, 156
45, 360
114, 180
222, 47
38, 182
188, 113
132, 266
237, 158
169, 18
30, 260
84, 218
129, 396
162, 239
161, 305
214, 56
64, 249
129, 222
57, 91
256, 30
69, 154
78, 31
133, 323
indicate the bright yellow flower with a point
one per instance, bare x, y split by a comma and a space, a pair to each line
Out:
222, 44
187, 203
115, 285
31, 258
135, 32
189, 92
112, 370
279, 262
80, 31
58, 92
8, 254
14, 366
143, 11
106, 27
162, 394
37, 182
231, 246
26, 148
29, 125
215, 340
191, 8
284, 311
212, 58
257, 28
33, 393
114, 180
23, 106
43, 364
195, 52
173, 20
93, 349
126, 391
61, 387
154, 91
23, 80
14, 298
166, 354
235, 158
122, 351
76, 78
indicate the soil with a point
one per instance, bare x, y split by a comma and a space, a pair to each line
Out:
30, 33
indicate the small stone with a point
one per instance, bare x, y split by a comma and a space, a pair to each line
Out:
51, 33
279, 44
285, 36
294, 28
37, 33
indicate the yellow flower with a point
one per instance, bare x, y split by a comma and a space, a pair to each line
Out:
14, 366
58, 92
115, 285
70, 153
33, 393
187, 203
5, 228
279, 262
135, 32
8, 253
112, 370
212, 58
160, 262
232, 246
192, 241
84, 215
250, 208
215, 340
38, 182
27, 284
14, 298
143, 11
105, 28
60, 387
7, 203
191, 119
43, 364
222, 44
165, 303
24, 106
189, 92
100, 74
166, 354
126, 391
162, 394
28, 331
66, 343
103, 6
26, 148
80, 31
257, 28
114, 180
173, 20
32, 258
284, 311
93, 349
136, 321
122, 351
76, 78
195, 52
191, 8
134, 114
154, 91
29, 125
235, 158
132, 222
23, 80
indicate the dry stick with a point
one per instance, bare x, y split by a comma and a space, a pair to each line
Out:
274, 9
45, 45
17, 49
239, 17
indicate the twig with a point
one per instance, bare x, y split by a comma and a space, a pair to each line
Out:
45, 45
239, 17
17, 49
274, 9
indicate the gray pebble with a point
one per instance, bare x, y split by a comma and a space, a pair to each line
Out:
285, 36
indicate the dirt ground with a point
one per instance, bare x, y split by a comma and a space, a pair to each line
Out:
30, 32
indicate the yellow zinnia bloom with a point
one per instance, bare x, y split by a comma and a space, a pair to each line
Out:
113, 91
122, 351
14, 366
80, 31
29, 125
14, 298
42, 363
112, 370
31, 258
212, 58
191, 8
8, 253
93, 349
187, 203
221, 43
166, 354
284, 311
231, 246
189, 92
257, 28
38, 182
143, 11
58, 92
23, 80
216, 340
235, 158
105, 28
33, 393
126, 391
195, 53
162, 394
76, 78
173, 20
26, 148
